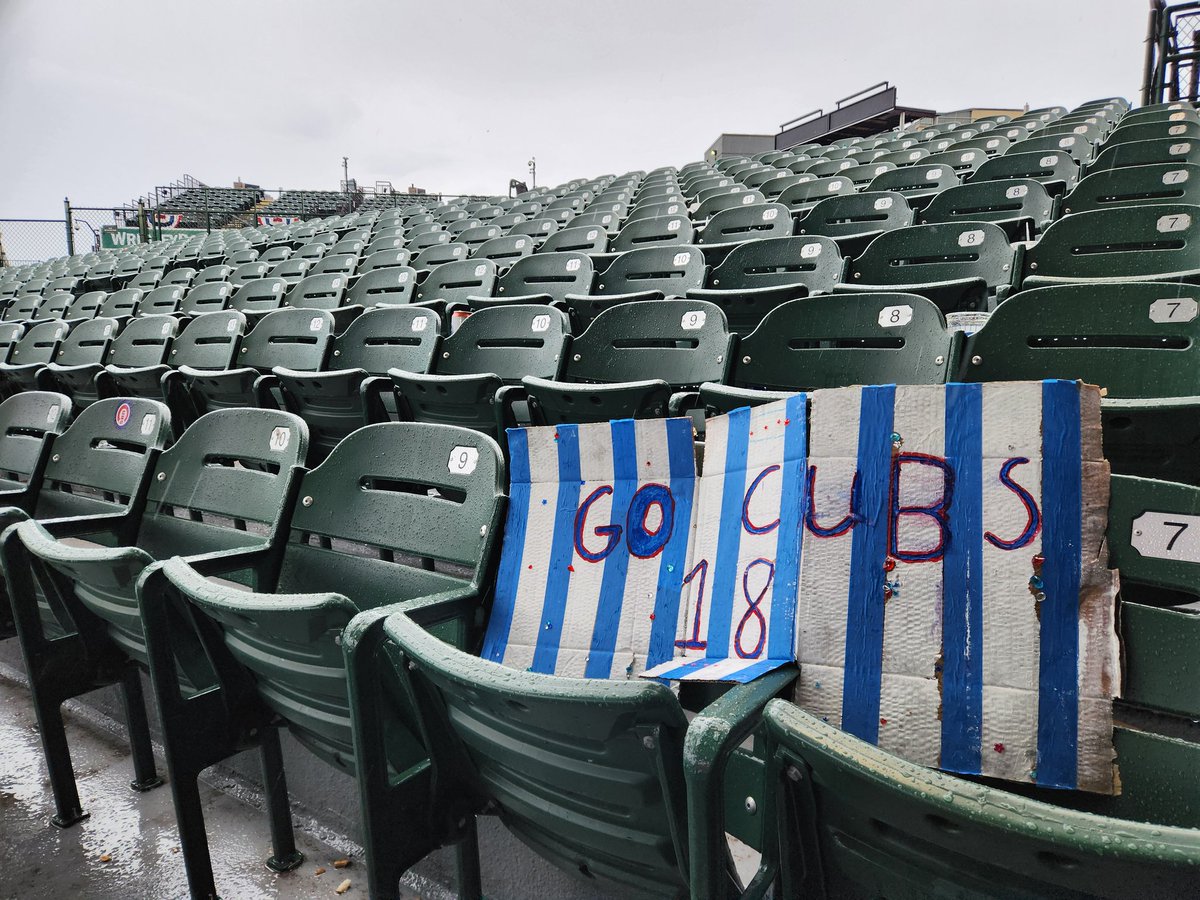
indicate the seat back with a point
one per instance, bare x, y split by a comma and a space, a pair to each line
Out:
209, 342
440, 255
477, 235
390, 337
146, 341
1155, 183
747, 223
681, 342
293, 269
671, 271
383, 259
576, 240
964, 162
212, 273
342, 264
454, 282
1076, 146
424, 240
206, 298
1145, 153
26, 419
85, 306
772, 262
928, 254
1147, 130
162, 301
1005, 203
87, 344
261, 296
844, 216
317, 292
120, 304
505, 251
1124, 242
54, 305
393, 286
804, 196
538, 228
251, 271
548, 274
506, 341
837, 341
918, 183
293, 338
1054, 170
23, 309
39, 344
655, 232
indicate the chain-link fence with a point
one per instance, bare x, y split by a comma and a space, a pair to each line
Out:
31, 240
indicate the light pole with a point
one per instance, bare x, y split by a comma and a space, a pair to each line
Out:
533, 171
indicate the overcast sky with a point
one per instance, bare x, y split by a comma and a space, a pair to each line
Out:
101, 101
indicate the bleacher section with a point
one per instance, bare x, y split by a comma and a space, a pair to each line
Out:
251, 501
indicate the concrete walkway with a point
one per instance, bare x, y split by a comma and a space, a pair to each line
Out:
128, 848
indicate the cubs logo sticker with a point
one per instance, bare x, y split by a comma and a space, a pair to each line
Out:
124, 412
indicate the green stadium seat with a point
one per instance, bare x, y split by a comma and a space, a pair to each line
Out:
293, 269
646, 274
351, 392
1075, 146
1153, 130
800, 198
352, 547
1130, 243
1151, 184
990, 144
255, 299
85, 305
600, 218
826, 342
710, 206
851, 820
1145, 153
383, 259
297, 339
251, 271
538, 228
854, 220
476, 235
1021, 206
1054, 170
576, 240
631, 360
241, 257
23, 308
475, 378
182, 275
918, 183
389, 286
205, 298
541, 278
963, 162
208, 342
759, 275
1136, 340
862, 175
122, 304
662, 231
36, 347
146, 280
966, 266
84, 352
343, 264
212, 273
735, 226
505, 251
55, 305
95, 480
439, 255
449, 287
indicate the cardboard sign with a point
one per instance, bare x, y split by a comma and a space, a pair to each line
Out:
738, 618
595, 548
954, 605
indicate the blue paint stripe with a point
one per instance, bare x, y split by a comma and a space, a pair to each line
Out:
864, 615
1062, 489
725, 574
962, 584
755, 669
686, 668
681, 457
508, 576
616, 564
781, 643
562, 550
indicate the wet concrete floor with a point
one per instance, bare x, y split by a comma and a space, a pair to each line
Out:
128, 848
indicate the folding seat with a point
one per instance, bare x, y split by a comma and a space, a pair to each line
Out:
710, 206
1151, 184
1020, 206
1172, 113
674, 205
182, 276
530, 209
217, 494
343, 264
249, 696
454, 229
23, 308
439, 255
143, 343
147, 279
292, 270
448, 287
84, 306
804, 196
826, 342
241, 257
963, 162
251, 271
1075, 146
542, 278
756, 180
1150, 131
477, 235
55, 305
275, 255
854, 220
654, 232
504, 251
508, 220
759, 275
418, 216
692, 187
862, 175
1130, 243
125, 270
383, 259
918, 183
561, 215
593, 241
630, 360
296, 339
1089, 129
1055, 171
384, 244
828, 790
254, 299
206, 298
1144, 153
212, 273
349, 246
609, 221
731, 227
384, 286
424, 240
312, 252
207, 342
967, 266
327, 292
354, 391
648, 273
121, 305
474, 379
34, 286
537, 228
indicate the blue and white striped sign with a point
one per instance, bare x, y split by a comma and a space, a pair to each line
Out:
738, 619
954, 604
595, 548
